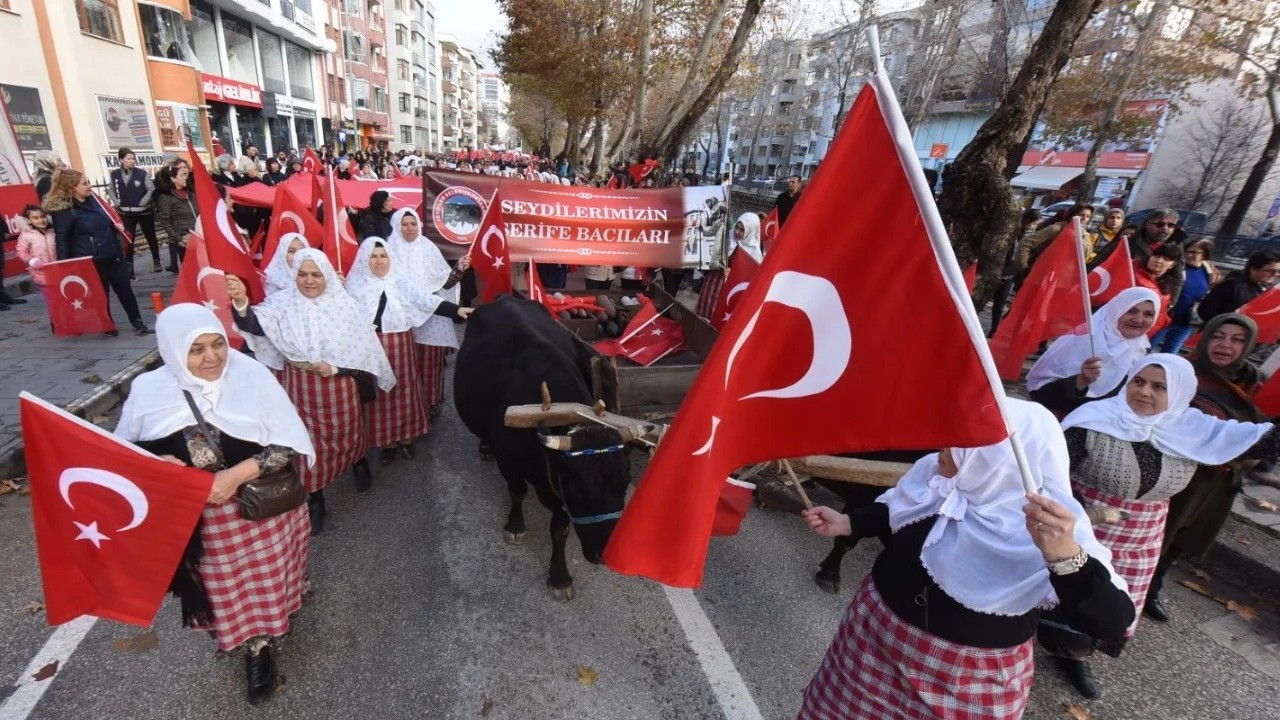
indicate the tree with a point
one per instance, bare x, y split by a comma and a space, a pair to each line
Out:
977, 202
942, 54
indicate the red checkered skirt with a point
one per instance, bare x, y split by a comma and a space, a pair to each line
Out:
712, 284
432, 359
253, 571
330, 408
880, 667
1134, 543
400, 414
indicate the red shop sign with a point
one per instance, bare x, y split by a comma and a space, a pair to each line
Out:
230, 91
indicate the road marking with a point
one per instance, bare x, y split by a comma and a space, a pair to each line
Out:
730, 691
58, 647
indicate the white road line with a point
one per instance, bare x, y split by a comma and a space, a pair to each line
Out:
730, 691
59, 647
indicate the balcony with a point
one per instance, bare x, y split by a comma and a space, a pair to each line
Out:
448, 131
449, 88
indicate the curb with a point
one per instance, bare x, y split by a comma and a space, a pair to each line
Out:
100, 399
20, 285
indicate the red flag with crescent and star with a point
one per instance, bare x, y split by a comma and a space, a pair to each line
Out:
77, 300
824, 356
649, 336
111, 520
228, 250
769, 231
742, 269
1112, 275
338, 239
1265, 311
199, 283
311, 162
489, 257
289, 215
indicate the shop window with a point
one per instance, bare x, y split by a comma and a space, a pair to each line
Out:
299, 61
272, 63
165, 33
305, 130
241, 63
205, 38
100, 18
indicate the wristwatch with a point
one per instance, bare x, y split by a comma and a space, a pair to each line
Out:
1069, 565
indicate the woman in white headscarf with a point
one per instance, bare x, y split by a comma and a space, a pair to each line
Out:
334, 360
239, 579
943, 625
1069, 374
1132, 452
396, 417
422, 267
280, 270
745, 237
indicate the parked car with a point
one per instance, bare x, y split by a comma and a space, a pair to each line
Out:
1099, 210
1193, 222
1241, 248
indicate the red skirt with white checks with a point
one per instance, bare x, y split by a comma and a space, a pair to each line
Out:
432, 359
253, 571
882, 668
401, 413
1134, 543
712, 284
330, 409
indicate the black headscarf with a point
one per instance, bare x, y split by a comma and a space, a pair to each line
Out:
1230, 387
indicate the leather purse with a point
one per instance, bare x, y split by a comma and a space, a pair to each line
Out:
267, 496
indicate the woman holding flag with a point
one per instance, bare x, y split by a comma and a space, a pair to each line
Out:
239, 579
333, 360
1132, 452
1079, 368
421, 267
943, 625
746, 237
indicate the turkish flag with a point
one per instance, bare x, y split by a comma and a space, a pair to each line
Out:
1112, 275
641, 170
290, 214
732, 506
1265, 311
742, 269
769, 231
492, 264
1268, 396
228, 251
536, 291
648, 338
338, 239
77, 299
311, 162
822, 356
1050, 304
200, 283
1143, 278
111, 520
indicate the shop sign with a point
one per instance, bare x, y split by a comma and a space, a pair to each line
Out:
125, 122
233, 92
147, 161
27, 115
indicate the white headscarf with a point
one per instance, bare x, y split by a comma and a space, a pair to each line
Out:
280, 274
1181, 431
246, 402
751, 240
424, 268
1119, 354
331, 328
408, 305
979, 551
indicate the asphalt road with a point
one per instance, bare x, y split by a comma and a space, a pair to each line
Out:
421, 611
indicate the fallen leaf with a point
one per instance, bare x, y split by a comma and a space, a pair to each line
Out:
32, 608
142, 642
1196, 586
46, 672
94, 379
28, 321
1247, 613
1243, 540
587, 675
1266, 505
98, 419
1076, 712
486, 707
1202, 574
9, 486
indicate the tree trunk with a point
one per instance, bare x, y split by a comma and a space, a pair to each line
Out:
685, 96
670, 140
977, 202
597, 141
1252, 184
635, 121
571, 138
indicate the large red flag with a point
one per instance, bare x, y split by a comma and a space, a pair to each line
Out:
111, 521
492, 264
77, 300
228, 250
769, 231
1112, 275
649, 337
338, 241
742, 269
290, 215
1049, 304
1268, 396
1265, 311
199, 283
822, 355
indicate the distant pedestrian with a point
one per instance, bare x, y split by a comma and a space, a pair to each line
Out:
1030, 218
1110, 228
1160, 228
176, 210
1241, 286
1199, 275
375, 221
134, 190
1157, 274
225, 171
46, 162
787, 199
1032, 246
273, 175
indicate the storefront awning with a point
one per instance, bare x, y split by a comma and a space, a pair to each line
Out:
1118, 172
1046, 177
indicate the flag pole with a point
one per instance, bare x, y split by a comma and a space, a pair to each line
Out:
938, 239
333, 217
645, 324
1084, 281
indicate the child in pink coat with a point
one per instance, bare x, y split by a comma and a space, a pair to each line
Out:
36, 245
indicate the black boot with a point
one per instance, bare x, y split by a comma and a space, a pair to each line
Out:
388, 455
315, 506
7, 299
259, 675
1155, 609
364, 479
1080, 675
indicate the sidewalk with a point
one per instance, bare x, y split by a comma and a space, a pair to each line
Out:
88, 375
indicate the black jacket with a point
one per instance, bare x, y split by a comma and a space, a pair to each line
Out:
374, 224
175, 215
1234, 291
85, 230
784, 204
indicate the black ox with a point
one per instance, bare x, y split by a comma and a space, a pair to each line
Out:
511, 348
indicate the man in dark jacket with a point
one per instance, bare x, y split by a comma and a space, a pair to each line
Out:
787, 199
133, 190
1241, 286
376, 219
1160, 228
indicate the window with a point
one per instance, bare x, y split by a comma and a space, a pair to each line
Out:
379, 100
353, 7
100, 18
165, 33
402, 35
272, 63
299, 60
406, 133
402, 69
404, 102
241, 63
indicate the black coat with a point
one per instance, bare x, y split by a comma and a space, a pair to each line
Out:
374, 224
176, 215
85, 230
785, 202
1234, 291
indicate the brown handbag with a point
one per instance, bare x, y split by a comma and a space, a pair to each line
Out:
267, 496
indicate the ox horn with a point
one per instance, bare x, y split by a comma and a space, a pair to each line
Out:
556, 442
546, 397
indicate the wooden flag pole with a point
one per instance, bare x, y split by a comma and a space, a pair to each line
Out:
1084, 282
795, 481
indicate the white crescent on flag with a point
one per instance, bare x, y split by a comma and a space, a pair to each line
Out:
484, 244
1104, 281
117, 484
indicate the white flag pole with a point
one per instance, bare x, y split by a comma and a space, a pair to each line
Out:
943, 254
1084, 281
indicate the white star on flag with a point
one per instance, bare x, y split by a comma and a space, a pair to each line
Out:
77, 304
90, 532
211, 305
656, 331
497, 263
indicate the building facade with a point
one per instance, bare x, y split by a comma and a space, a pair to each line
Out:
414, 56
459, 84
495, 96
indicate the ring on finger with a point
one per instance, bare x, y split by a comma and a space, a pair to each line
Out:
1039, 527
